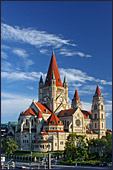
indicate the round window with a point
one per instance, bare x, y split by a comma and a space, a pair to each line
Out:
78, 122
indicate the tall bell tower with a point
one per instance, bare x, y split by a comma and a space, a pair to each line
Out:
52, 92
98, 114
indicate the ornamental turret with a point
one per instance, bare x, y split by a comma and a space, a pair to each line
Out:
76, 102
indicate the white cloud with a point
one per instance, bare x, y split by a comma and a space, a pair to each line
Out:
6, 66
32, 36
73, 75
108, 107
4, 55
109, 101
107, 114
15, 104
5, 47
67, 52
86, 106
43, 51
14, 76
20, 52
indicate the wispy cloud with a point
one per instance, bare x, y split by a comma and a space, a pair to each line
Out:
32, 36
86, 106
20, 52
6, 66
68, 52
73, 75
15, 104
4, 55
5, 47
14, 76
107, 115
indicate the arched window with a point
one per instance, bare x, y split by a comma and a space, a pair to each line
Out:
102, 116
95, 116
26, 122
95, 125
102, 125
95, 107
101, 107
32, 122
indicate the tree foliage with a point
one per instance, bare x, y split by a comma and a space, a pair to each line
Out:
8, 146
83, 148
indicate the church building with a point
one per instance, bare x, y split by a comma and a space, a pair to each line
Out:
45, 125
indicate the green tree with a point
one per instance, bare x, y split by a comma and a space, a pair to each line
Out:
73, 152
8, 146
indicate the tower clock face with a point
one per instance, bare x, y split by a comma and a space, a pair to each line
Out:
45, 99
78, 122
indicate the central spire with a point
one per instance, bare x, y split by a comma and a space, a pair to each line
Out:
53, 68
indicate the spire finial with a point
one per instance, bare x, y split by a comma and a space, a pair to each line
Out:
65, 79
53, 51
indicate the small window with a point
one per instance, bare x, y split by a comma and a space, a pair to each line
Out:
61, 142
32, 122
102, 125
101, 107
95, 125
95, 116
26, 122
67, 123
55, 144
65, 114
102, 116
59, 80
95, 107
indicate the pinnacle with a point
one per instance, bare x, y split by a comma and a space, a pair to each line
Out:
76, 96
97, 92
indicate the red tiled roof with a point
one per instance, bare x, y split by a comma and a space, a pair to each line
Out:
29, 112
86, 113
53, 68
98, 93
55, 130
67, 112
89, 132
108, 130
43, 132
39, 115
76, 96
43, 108
54, 120
70, 111
43, 141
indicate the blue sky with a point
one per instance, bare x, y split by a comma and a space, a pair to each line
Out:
81, 35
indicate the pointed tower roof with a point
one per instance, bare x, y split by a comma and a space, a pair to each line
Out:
39, 115
29, 112
97, 93
54, 120
41, 80
53, 67
76, 96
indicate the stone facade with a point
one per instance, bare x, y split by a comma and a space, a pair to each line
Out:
45, 125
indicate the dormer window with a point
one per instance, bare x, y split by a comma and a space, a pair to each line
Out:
59, 80
52, 122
